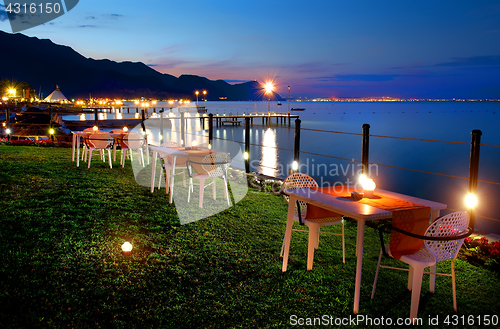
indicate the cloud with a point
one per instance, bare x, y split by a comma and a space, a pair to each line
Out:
87, 25
114, 16
236, 81
152, 65
358, 77
90, 17
471, 61
460, 62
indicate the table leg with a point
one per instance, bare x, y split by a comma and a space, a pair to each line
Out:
288, 231
359, 264
432, 278
153, 169
73, 149
171, 180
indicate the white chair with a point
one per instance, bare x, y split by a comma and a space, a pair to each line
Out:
431, 253
100, 141
213, 165
128, 143
169, 166
297, 181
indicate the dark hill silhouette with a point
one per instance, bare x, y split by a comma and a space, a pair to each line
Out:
44, 64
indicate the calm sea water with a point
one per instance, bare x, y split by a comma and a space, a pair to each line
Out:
443, 121
272, 152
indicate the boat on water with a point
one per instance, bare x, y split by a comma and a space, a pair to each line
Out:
298, 109
279, 104
201, 109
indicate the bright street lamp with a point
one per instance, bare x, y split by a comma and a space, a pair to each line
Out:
197, 93
269, 87
205, 97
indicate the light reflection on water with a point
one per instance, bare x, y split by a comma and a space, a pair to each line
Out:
269, 153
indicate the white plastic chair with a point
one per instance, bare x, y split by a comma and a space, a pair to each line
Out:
100, 141
431, 253
215, 165
297, 181
129, 142
168, 167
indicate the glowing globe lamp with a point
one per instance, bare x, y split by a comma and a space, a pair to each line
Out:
368, 187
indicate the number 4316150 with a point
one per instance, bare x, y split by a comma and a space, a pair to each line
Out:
472, 320
33, 8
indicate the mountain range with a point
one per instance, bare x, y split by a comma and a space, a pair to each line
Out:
44, 64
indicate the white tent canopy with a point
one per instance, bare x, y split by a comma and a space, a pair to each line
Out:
56, 96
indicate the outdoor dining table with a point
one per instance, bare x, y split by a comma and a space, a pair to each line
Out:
177, 156
359, 211
78, 135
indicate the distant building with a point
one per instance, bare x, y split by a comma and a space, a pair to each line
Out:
56, 97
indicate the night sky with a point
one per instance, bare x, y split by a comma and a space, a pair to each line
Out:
321, 48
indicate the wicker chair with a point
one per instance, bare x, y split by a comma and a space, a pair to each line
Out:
432, 252
296, 181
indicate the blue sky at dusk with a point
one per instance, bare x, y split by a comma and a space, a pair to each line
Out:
403, 48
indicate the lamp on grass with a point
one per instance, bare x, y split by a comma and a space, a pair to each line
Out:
127, 248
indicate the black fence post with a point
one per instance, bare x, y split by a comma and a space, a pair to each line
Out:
246, 155
143, 117
183, 141
366, 140
210, 129
296, 149
474, 170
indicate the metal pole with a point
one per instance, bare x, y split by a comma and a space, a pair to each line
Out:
247, 145
162, 133
183, 141
50, 128
7, 121
366, 139
96, 117
474, 169
296, 149
210, 128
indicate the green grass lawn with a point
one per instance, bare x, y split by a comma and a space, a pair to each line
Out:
61, 228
